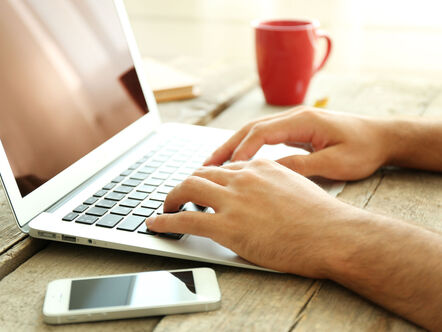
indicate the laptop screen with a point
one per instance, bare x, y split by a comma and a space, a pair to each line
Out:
67, 84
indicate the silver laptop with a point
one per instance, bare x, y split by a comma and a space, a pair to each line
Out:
83, 156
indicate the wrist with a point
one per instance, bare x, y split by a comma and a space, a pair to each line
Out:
347, 242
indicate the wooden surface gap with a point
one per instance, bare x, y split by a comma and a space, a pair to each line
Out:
223, 106
375, 189
312, 291
19, 253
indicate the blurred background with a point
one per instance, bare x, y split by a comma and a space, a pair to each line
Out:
394, 37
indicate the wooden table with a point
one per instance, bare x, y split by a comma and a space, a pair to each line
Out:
251, 300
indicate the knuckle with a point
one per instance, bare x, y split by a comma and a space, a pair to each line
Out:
260, 162
201, 171
245, 176
257, 129
309, 114
189, 182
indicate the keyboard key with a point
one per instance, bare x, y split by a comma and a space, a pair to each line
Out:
85, 219
130, 203
124, 211
159, 175
138, 195
100, 193
180, 177
131, 223
168, 170
159, 211
81, 208
96, 211
106, 203
146, 188
90, 200
174, 164
144, 230
126, 172
115, 196
139, 176
123, 189
131, 183
174, 236
109, 186
109, 220
158, 197
147, 170
161, 158
118, 179
165, 189
151, 204
145, 212
153, 182
135, 165
154, 164
70, 216
186, 170
172, 183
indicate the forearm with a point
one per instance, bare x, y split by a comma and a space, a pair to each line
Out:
392, 263
414, 143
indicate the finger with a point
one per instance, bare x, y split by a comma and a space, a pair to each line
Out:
197, 190
326, 163
297, 127
186, 222
215, 174
271, 132
224, 152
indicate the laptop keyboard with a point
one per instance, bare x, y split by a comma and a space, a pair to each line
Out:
139, 191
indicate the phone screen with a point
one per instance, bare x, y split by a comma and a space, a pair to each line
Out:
138, 290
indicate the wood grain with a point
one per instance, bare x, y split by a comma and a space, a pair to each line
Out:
9, 232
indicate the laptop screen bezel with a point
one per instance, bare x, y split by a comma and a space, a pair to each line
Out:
26, 208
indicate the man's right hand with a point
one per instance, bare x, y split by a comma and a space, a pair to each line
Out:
342, 146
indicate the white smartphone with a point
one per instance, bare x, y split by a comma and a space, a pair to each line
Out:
131, 295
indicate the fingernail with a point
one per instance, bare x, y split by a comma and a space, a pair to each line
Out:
150, 221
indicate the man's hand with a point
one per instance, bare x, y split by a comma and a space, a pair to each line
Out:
278, 219
264, 212
343, 146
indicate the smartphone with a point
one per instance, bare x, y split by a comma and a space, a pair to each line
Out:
131, 295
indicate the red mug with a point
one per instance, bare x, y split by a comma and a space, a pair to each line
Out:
285, 54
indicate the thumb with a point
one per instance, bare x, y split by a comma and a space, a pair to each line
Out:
186, 222
326, 163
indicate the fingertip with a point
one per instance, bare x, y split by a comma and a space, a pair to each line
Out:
151, 223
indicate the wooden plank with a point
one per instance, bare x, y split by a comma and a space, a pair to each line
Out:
222, 83
18, 254
252, 301
10, 234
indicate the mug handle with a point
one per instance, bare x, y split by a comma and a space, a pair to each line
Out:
323, 34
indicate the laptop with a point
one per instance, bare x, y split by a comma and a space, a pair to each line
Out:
84, 157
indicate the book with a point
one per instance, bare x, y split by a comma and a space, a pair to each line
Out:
169, 83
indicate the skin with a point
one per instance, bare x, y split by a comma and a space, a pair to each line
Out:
270, 214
